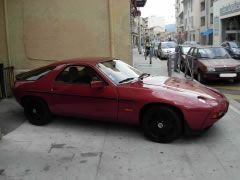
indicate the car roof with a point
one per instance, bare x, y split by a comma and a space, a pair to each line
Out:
186, 45
207, 46
79, 61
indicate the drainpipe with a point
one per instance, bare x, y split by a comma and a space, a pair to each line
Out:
0, 134
139, 36
111, 28
207, 13
7, 32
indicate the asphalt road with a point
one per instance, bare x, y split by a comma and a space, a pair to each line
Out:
228, 88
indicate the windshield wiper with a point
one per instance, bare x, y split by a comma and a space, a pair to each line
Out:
125, 80
143, 75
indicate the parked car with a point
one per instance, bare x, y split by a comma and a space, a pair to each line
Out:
182, 50
156, 44
166, 48
212, 63
110, 90
190, 43
233, 48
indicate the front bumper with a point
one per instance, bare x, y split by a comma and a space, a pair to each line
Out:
198, 121
236, 56
216, 75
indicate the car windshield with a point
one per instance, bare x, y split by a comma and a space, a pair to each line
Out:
213, 53
166, 45
185, 49
118, 71
234, 44
190, 43
156, 44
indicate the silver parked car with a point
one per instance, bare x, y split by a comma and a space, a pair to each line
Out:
165, 48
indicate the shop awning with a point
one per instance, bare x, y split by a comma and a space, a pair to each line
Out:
207, 32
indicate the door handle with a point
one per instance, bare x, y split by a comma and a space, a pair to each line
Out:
53, 89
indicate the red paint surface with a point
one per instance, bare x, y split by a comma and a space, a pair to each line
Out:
124, 102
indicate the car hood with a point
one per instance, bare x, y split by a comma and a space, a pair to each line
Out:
236, 50
181, 87
171, 50
220, 62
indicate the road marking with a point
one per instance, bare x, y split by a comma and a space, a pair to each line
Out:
226, 87
234, 96
234, 109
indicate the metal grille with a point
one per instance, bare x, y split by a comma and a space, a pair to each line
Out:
6, 81
228, 69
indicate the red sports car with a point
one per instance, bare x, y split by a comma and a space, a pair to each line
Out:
110, 90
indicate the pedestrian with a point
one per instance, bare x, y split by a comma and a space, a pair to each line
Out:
147, 48
177, 58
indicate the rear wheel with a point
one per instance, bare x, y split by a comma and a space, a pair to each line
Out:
200, 77
36, 111
237, 80
182, 67
161, 124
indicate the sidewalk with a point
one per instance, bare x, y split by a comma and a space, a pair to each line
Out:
158, 67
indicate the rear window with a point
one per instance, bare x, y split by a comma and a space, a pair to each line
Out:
35, 74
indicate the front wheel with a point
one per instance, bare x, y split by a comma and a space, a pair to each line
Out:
36, 111
162, 124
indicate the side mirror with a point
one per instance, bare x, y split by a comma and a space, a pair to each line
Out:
97, 84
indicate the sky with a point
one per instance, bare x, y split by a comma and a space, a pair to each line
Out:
161, 8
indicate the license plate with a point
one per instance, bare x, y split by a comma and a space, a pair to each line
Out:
228, 75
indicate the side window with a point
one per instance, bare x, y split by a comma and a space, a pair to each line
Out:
77, 75
195, 53
190, 51
35, 74
223, 45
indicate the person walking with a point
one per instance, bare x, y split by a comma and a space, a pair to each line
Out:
148, 50
177, 58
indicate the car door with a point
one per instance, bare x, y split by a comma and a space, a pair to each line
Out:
189, 59
73, 94
159, 49
228, 48
195, 63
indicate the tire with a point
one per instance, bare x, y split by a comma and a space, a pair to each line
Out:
186, 70
200, 77
160, 56
161, 124
36, 111
236, 80
182, 67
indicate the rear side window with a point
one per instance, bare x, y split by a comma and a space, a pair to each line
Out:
77, 75
35, 74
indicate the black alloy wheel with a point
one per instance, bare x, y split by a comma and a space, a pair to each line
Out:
162, 124
36, 111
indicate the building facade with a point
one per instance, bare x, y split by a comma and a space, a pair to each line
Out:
35, 33
226, 21
194, 21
